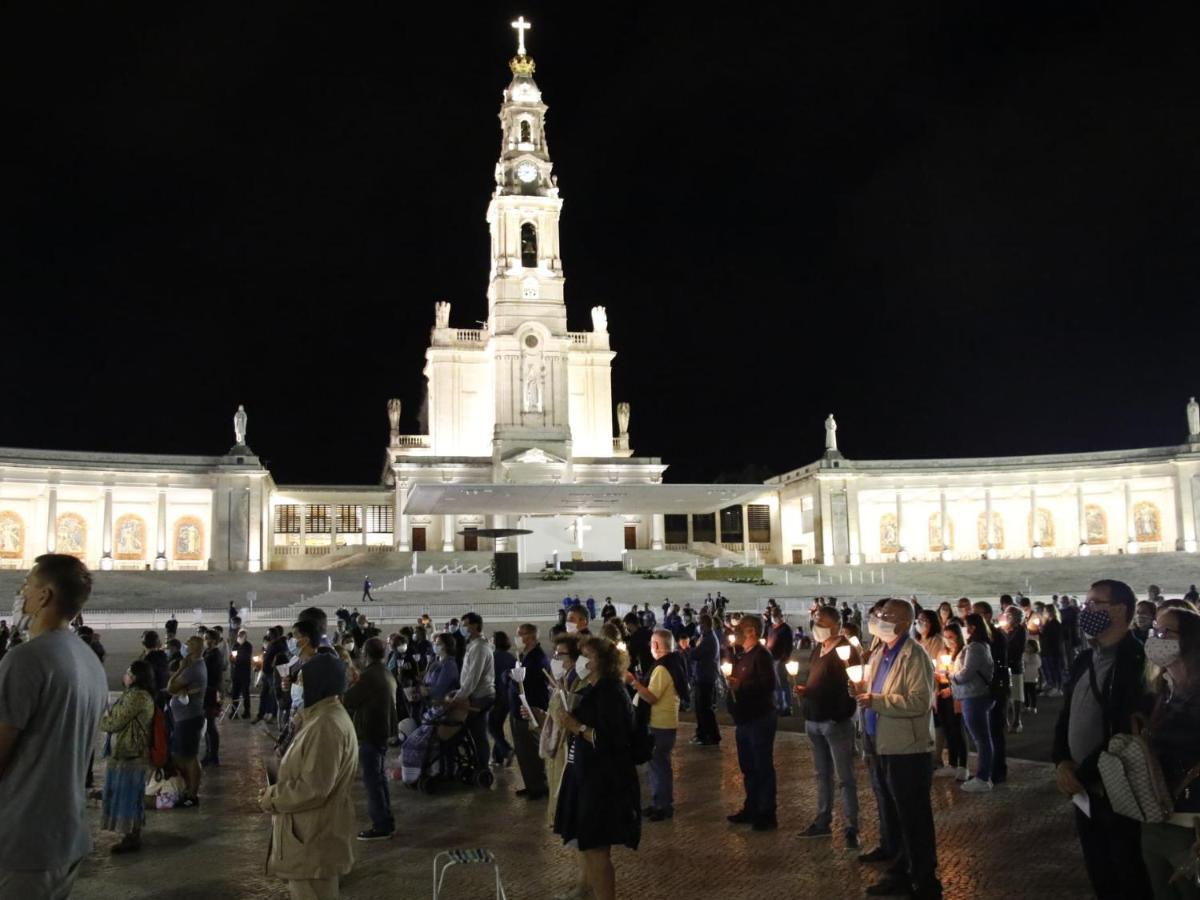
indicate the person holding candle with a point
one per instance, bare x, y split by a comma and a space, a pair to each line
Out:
829, 724
667, 686
751, 682
898, 725
949, 710
705, 663
971, 682
929, 632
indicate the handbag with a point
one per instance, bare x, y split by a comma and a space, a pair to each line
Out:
1134, 781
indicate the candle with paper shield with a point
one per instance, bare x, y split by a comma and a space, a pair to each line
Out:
726, 669
793, 667
855, 674
944, 661
854, 641
843, 653
733, 639
517, 674
621, 646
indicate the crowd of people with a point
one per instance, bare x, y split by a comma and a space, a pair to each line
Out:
908, 696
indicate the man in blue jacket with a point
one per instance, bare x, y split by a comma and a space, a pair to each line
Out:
536, 689
705, 665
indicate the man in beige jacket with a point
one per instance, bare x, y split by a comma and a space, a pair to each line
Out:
896, 697
312, 816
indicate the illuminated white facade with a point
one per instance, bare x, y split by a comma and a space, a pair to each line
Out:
842, 511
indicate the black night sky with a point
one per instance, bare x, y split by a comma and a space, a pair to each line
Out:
965, 229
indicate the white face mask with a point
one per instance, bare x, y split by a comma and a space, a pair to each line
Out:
297, 694
349, 647
1162, 651
885, 631
581, 667
572, 628
822, 633
19, 616
558, 668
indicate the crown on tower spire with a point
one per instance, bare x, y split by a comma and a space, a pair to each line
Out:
522, 63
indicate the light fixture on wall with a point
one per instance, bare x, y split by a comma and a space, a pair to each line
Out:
993, 553
1038, 552
1084, 549
902, 556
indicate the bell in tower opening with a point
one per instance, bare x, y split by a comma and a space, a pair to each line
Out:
526, 135
529, 254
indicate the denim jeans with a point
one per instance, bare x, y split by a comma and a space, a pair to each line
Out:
379, 801
495, 720
756, 759
662, 779
976, 713
833, 752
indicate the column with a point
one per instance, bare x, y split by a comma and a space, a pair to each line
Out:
690, 532
1081, 521
160, 551
106, 525
1035, 549
399, 520
303, 527
254, 537
365, 508
52, 520
579, 535
826, 507
499, 521
853, 525
447, 534
658, 528
902, 551
990, 550
333, 532
945, 523
1185, 505
1130, 529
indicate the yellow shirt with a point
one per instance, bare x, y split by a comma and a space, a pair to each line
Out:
664, 713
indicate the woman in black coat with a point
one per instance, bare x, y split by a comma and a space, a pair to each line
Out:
599, 803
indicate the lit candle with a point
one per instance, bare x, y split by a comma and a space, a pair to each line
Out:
621, 646
854, 673
944, 659
843, 653
726, 669
763, 641
854, 641
793, 667
732, 638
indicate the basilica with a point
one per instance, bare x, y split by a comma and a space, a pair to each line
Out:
521, 438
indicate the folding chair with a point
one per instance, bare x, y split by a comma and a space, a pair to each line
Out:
465, 857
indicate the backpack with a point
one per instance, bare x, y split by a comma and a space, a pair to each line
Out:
156, 744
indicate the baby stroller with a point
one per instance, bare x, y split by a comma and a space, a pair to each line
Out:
440, 749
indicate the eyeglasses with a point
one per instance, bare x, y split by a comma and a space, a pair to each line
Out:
1163, 632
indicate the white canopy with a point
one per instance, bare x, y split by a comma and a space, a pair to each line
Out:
576, 499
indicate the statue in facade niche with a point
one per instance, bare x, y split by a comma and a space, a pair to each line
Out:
441, 314
393, 412
239, 426
535, 385
830, 433
1193, 409
599, 319
623, 419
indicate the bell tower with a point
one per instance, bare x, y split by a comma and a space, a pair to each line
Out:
526, 278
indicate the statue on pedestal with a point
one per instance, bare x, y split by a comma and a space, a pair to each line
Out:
535, 383
441, 314
599, 320
623, 419
393, 412
239, 426
1193, 413
830, 433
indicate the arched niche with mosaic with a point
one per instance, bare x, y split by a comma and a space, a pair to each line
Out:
129, 537
12, 535
1095, 523
188, 540
889, 534
1041, 530
71, 535
1147, 522
935, 533
997, 531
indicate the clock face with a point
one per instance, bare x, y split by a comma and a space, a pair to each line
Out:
527, 172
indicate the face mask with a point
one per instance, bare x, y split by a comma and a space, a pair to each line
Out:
1094, 621
885, 631
572, 628
292, 646
442, 652
922, 627
402, 648
183, 651
822, 633
1143, 622
464, 631
581, 667
1162, 651
558, 668
297, 694
19, 617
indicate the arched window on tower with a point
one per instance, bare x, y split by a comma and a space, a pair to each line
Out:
526, 132
529, 251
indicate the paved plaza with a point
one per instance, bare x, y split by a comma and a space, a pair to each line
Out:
1016, 842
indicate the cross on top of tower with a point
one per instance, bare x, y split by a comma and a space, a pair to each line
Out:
521, 26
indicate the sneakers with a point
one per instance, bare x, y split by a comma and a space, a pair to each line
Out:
977, 786
945, 772
374, 834
816, 831
851, 838
963, 774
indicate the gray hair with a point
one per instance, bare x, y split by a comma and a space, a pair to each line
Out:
665, 636
753, 620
